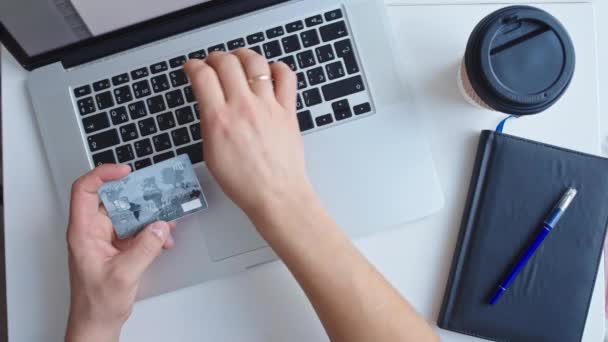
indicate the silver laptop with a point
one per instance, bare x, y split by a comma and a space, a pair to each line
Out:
112, 90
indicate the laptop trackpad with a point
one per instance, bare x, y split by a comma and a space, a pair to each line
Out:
227, 230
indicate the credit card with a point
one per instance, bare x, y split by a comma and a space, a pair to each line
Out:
165, 191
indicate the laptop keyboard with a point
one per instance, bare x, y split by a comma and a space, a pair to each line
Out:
149, 114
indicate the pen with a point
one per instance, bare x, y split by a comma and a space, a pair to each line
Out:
548, 225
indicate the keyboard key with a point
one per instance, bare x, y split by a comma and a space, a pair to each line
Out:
306, 59
333, 15
236, 43
106, 157
184, 115
128, 132
343, 88
272, 49
162, 157
255, 38
189, 95
137, 110
139, 73
301, 81
305, 121
104, 100
195, 130
299, 104
178, 78
257, 49
95, 122
143, 148
341, 110
175, 98
310, 38
177, 61
119, 115
142, 164
141, 89
165, 121
324, 120
125, 153
180, 136
101, 85
147, 127
291, 44
159, 67
290, 61
275, 32
156, 104
335, 70
194, 151
344, 50
362, 108
200, 54
316, 76
160, 83
333, 31
82, 91
325, 53
295, 26
123, 94
120, 79
312, 97
219, 47
86, 106
162, 142
314, 21
103, 140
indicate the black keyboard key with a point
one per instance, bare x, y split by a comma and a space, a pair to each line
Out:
143, 148
104, 100
142, 164
141, 89
275, 32
86, 105
103, 140
272, 49
128, 132
177, 61
219, 47
324, 120
341, 110
119, 115
178, 78
325, 53
257, 49
123, 94
306, 59
101, 85
82, 91
162, 142
180, 136
160, 83
362, 108
125, 153
184, 115
314, 21
137, 110
159, 67
194, 151
316, 76
175, 98
200, 54
335, 70
197, 111
343, 88
295, 26
120, 79
333, 15
236, 44
310, 38
255, 38
333, 31
189, 95
299, 104
291, 44
290, 61
312, 97
301, 81
165, 121
162, 157
305, 121
147, 127
195, 130
344, 49
106, 157
139, 73
156, 104
96, 122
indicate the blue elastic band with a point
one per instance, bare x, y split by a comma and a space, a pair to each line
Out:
501, 125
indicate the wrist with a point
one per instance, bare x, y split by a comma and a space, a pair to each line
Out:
82, 329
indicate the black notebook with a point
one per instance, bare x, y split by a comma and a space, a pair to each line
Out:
515, 184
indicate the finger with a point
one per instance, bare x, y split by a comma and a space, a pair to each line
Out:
170, 243
205, 86
231, 74
255, 65
144, 249
285, 87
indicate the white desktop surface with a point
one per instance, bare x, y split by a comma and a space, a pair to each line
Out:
266, 304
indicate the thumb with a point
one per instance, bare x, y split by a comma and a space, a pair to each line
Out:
145, 247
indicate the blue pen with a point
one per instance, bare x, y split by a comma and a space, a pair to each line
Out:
548, 225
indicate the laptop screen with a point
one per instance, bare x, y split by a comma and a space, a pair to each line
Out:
40, 26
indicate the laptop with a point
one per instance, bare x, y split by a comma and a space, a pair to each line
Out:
107, 86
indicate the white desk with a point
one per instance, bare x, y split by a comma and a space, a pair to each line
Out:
265, 304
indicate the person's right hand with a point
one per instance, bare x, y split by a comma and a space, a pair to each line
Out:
252, 143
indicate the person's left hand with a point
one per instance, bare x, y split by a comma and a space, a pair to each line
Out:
104, 271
